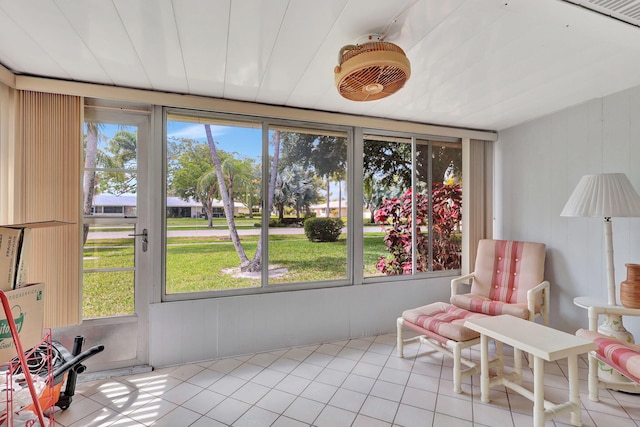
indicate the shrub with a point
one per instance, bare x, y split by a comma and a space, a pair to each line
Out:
395, 218
323, 229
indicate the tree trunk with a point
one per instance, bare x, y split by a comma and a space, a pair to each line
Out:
255, 265
228, 209
89, 184
209, 208
340, 199
328, 197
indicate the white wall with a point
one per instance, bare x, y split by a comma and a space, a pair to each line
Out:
189, 331
538, 164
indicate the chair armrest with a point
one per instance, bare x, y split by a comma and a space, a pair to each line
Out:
532, 295
595, 311
462, 279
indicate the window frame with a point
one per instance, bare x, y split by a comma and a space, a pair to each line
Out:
354, 244
266, 124
415, 139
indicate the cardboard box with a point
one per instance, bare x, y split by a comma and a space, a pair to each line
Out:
10, 239
27, 309
15, 243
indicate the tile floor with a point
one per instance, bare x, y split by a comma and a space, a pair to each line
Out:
359, 382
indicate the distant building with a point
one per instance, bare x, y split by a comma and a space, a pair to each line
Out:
125, 206
321, 209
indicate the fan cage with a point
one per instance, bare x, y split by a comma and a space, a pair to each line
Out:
371, 71
354, 50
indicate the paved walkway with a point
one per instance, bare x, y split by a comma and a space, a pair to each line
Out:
207, 232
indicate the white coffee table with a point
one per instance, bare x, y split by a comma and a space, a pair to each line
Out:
542, 343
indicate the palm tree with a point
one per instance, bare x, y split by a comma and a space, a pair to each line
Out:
206, 189
89, 181
245, 263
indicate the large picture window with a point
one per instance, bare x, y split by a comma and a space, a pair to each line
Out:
258, 205
215, 168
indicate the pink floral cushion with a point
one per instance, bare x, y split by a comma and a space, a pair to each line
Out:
441, 320
624, 357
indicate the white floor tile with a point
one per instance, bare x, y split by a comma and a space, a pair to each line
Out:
319, 392
334, 417
292, 384
228, 411
178, 417
358, 383
276, 401
348, 399
410, 416
381, 409
256, 417
204, 401
250, 393
305, 410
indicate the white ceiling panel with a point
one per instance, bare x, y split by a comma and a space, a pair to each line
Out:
291, 55
203, 40
115, 54
486, 64
151, 27
24, 54
64, 46
253, 30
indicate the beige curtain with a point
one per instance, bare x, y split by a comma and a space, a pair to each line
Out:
7, 152
46, 170
477, 198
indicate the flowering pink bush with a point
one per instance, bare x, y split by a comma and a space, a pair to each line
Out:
395, 218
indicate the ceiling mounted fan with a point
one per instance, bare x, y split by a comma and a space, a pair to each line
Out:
371, 70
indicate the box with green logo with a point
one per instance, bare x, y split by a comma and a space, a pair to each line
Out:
27, 309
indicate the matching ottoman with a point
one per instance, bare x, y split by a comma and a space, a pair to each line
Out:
441, 326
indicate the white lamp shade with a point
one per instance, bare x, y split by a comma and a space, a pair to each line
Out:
604, 195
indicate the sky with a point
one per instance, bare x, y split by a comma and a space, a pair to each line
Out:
245, 141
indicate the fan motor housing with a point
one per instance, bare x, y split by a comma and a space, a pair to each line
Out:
371, 71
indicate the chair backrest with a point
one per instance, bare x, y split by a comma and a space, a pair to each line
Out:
505, 269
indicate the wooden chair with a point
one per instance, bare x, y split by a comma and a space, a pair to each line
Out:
623, 357
508, 279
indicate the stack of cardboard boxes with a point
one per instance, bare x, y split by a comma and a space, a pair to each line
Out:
25, 300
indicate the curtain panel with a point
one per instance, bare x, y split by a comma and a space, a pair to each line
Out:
45, 175
477, 198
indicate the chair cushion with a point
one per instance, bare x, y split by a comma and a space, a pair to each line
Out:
479, 304
505, 270
442, 319
623, 355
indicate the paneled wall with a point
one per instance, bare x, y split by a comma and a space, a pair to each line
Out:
538, 164
190, 331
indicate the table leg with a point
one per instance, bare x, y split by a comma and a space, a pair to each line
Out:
538, 392
499, 358
517, 365
484, 368
574, 390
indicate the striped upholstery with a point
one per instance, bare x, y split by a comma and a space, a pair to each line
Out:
505, 270
624, 357
441, 320
488, 306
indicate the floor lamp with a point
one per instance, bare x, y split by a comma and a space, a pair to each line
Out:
605, 195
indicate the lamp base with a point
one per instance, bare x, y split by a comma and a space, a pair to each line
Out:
612, 326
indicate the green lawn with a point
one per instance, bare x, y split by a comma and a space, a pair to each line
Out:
197, 263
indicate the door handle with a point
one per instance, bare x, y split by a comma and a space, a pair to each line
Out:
145, 239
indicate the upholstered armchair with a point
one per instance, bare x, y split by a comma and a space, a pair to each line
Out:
508, 279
